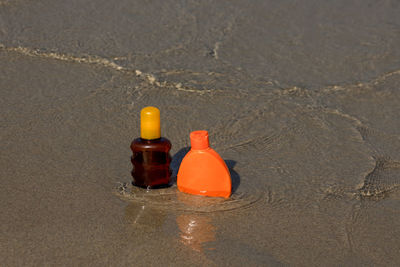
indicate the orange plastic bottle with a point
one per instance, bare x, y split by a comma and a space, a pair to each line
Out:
151, 159
203, 171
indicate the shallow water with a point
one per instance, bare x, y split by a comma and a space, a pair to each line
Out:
301, 99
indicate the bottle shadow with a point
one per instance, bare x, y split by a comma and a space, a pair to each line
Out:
177, 160
235, 177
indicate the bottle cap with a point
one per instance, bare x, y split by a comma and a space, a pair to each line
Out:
199, 140
150, 123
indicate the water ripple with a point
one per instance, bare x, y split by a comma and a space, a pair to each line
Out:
172, 199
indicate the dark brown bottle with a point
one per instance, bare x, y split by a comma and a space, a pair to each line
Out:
151, 159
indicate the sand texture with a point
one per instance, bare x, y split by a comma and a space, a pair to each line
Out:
300, 98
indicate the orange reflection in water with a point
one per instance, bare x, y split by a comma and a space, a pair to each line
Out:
195, 230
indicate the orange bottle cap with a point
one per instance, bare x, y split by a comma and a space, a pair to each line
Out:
199, 140
150, 123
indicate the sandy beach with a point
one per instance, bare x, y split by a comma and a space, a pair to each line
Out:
300, 98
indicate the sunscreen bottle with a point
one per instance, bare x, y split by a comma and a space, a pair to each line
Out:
151, 159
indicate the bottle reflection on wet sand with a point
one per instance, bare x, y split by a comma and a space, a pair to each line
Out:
177, 218
142, 215
195, 230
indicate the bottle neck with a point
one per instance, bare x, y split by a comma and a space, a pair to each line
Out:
150, 140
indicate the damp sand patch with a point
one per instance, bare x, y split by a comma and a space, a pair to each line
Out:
383, 179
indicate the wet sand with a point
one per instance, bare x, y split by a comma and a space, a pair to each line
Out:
301, 98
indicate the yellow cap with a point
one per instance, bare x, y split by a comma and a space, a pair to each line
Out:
150, 123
